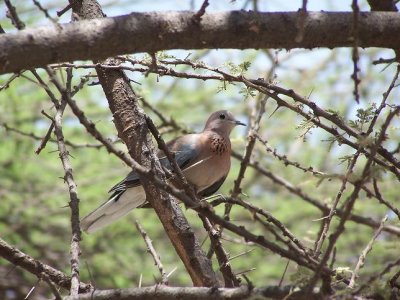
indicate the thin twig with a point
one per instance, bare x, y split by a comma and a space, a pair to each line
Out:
153, 252
230, 278
270, 218
393, 281
295, 164
69, 179
301, 22
273, 91
197, 17
251, 141
240, 254
32, 289
12, 14
45, 11
53, 288
327, 220
350, 201
283, 274
45, 139
7, 83
39, 138
321, 206
364, 253
373, 278
355, 55
64, 10
382, 200
245, 271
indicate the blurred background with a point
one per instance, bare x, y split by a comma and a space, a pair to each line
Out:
34, 213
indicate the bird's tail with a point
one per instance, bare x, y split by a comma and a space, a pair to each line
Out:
116, 207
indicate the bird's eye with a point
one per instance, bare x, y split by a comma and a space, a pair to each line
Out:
222, 116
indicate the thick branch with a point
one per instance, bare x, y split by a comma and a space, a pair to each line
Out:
91, 39
131, 124
172, 293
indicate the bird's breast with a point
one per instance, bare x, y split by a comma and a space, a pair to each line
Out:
213, 164
219, 145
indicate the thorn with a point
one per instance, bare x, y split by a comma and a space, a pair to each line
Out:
274, 111
172, 271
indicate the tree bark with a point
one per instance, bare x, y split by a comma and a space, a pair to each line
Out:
36, 267
160, 292
131, 124
101, 38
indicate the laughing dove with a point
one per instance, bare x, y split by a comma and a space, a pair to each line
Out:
204, 158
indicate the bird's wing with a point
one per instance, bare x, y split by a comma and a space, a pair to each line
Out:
129, 194
185, 154
212, 188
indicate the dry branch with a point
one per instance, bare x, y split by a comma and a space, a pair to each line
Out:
364, 253
153, 252
321, 206
131, 124
36, 267
69, 179
230, 279
91, 39
199, 293
339, 130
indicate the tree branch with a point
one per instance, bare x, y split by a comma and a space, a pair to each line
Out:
153, 252
202, 293
36, 267
131, 124
364, 253
91, 39
69, 179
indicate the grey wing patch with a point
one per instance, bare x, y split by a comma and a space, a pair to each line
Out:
212, 188
184, 156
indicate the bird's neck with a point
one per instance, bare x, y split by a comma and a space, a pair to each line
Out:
218, 131
219, 142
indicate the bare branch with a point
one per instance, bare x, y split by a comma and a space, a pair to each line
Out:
69, 179
235, 29
389, 161
38, 138
131, 124
303, 250
12, 14
197, 17
64, 10
230, 278
302, 18
251, 141
152, 251
322, 207
355, 55
36, 267
364, 253
373, 278
327, 219
199, 293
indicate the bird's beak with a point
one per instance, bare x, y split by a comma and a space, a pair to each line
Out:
240, 123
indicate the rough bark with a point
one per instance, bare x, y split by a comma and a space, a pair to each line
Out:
131, 124
101, 38
171, 293
20, 259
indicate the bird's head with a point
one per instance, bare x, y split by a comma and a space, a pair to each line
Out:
222, 121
